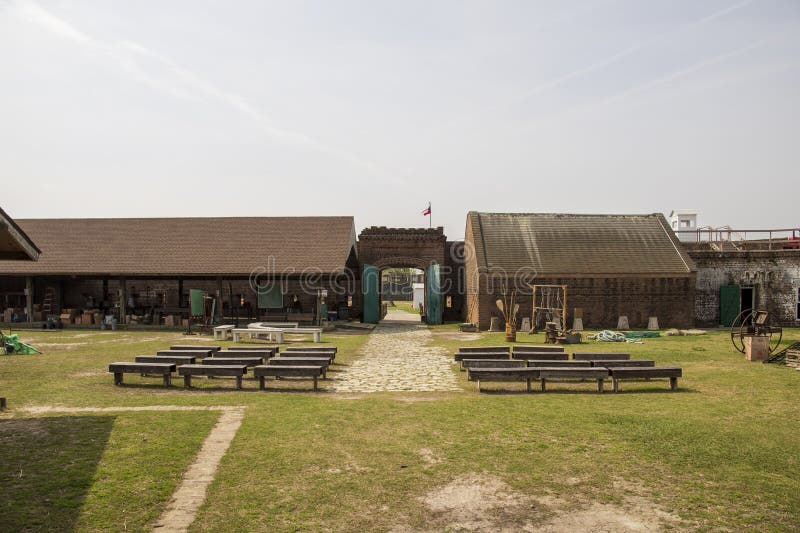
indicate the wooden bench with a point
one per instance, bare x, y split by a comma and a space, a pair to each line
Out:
333, 349
220, 360
222, 332
539, 348
541, 356
505, 349
503, 374
173, 359
195, 347
557, 364
600, 356
256, 348
163, 369
291, 371
294, 355
265, 354
458, 356
187, 371
283, 360
599, 374
624, 362
492, 363
671, 372
190, 353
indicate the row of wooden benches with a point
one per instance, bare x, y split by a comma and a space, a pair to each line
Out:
600, 374
293, 362
526, 363
551, 353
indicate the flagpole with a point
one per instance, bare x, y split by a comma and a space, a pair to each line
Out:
430, 216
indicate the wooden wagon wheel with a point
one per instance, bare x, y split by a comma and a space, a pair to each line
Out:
744, 326
775, 336
740, 327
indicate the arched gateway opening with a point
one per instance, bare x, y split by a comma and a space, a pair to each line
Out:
381, 248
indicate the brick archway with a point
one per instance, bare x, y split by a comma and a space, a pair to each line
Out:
385, 247
382, 247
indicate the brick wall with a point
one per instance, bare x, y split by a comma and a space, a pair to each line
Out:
774, 274
603, 300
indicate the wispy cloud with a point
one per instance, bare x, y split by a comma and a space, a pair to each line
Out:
684, 72
179, 82
605, 62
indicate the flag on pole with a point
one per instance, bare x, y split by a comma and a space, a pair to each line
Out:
427, 210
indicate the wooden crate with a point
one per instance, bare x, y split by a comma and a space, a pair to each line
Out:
793, 358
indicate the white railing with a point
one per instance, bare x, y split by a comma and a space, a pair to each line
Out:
767, 237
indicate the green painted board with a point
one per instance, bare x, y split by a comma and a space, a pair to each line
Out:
270, 297
729, 304
433, 295
196, 301
370, 279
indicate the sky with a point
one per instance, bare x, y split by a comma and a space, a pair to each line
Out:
373, 109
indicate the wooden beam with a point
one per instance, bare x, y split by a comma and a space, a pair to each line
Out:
29, 298
123, 300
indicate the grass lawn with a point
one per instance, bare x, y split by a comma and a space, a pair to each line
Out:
719, 454
404, 306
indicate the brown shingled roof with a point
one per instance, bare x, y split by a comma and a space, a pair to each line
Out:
576, 245
14, 243
186, 246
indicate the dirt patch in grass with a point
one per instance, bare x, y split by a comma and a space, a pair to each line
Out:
465, 337
476, 502
429, 457
415, 399
635, 514
349, 396
87, 374
482, 502
61, 346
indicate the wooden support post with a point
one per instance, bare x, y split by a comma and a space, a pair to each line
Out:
544, 386
123, 301
29, 298
599, 384
315, 383
238, 382
262, 382
616, 384
180, 293
117, 378
3, 404
187, 381
673, 383
105, 291
167, 379
219, 300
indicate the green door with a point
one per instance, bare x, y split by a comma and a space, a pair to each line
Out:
728, 304
433, 296
370, 278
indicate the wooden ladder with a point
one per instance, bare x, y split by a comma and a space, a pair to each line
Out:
48, 301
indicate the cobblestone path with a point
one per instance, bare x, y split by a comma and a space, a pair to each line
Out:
399, 357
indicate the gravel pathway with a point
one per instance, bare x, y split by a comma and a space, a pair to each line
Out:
398, 357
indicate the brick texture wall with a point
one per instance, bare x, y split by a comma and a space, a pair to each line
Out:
774, 274
603, 300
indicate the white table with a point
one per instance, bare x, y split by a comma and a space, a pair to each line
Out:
222, 332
